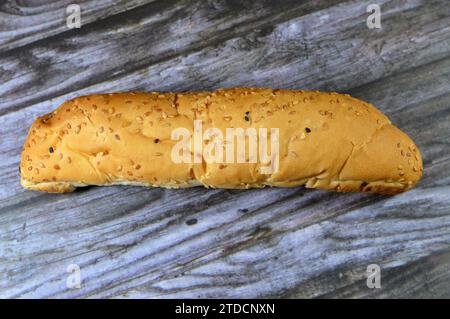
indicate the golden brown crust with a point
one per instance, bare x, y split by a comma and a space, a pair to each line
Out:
327, 140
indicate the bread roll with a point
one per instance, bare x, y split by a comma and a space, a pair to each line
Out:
326, 141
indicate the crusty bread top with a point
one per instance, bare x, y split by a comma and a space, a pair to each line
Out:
327, 140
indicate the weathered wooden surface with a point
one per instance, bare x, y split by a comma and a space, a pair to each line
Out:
137, 242
23, 22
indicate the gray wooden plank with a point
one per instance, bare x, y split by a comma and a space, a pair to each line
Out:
265, 251
23, 22
175, 50
135, 242
427, 277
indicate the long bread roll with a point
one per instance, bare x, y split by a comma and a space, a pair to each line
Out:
326, 140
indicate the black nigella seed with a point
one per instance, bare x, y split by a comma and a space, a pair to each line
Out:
243, 210
191, 222
247, 116
156, 140
307, 130
50, 149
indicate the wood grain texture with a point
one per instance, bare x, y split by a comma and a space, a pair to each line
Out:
300, 50
131, 43
293, 243
23, 22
